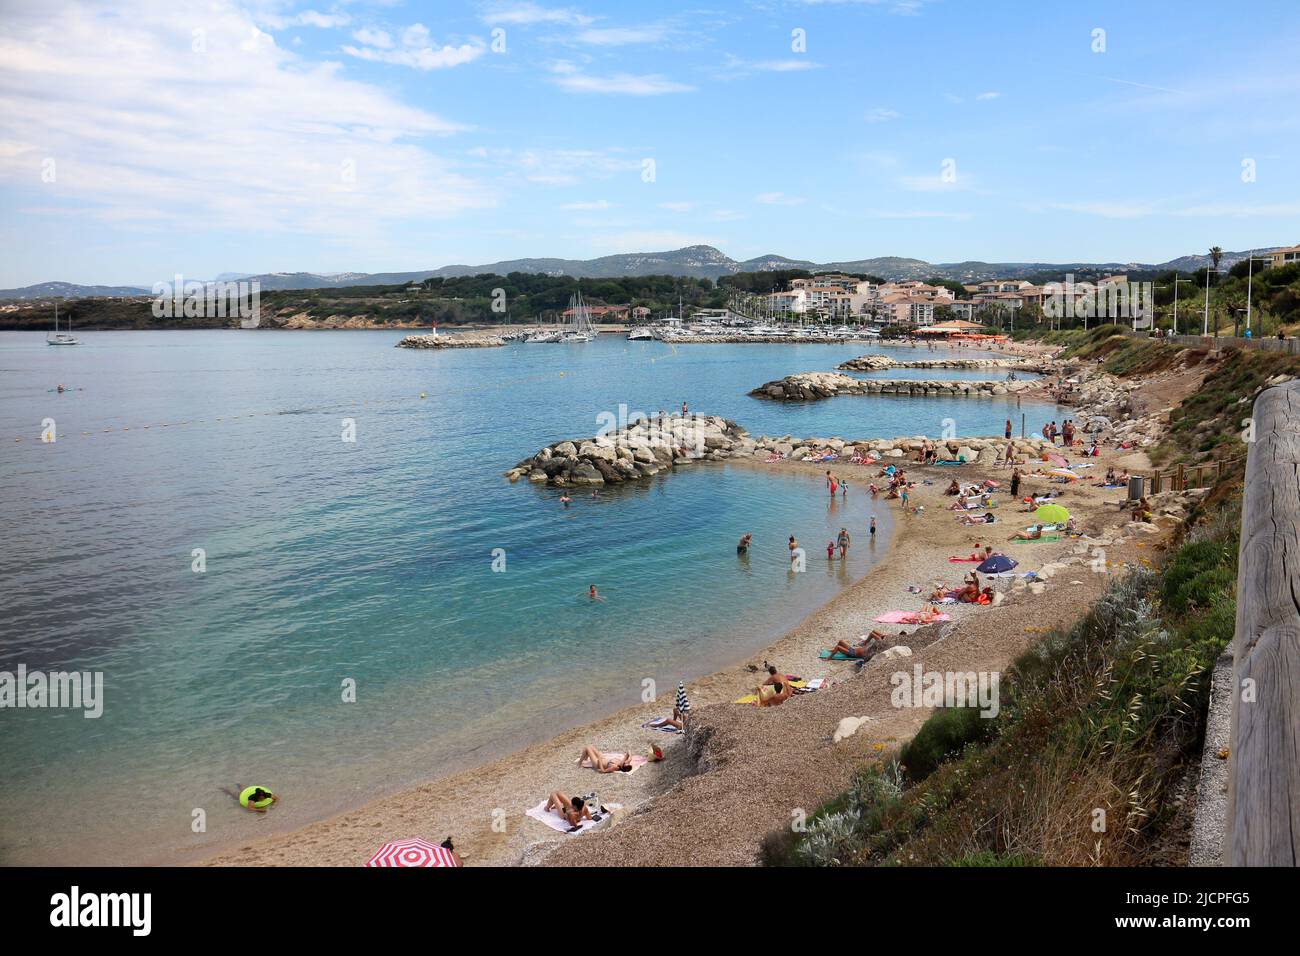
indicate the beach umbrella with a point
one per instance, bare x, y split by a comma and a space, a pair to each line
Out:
1051, 514
415, 852
997, 564
1064, 473
1058, 460
683, 705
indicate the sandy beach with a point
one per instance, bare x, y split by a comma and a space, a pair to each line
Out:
742, 772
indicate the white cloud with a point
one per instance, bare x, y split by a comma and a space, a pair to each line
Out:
677, 206
881, 115
990, 95
244, 135
306, 18
622, 36
378, 38
527, 14
417, 50
777, 199
588, 205
571, 78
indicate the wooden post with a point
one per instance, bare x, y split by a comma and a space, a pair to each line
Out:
1264, 776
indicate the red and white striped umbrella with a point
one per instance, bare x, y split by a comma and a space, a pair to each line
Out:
414, 852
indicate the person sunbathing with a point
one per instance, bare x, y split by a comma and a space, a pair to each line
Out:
574, 810
773, 695
605, 763
939, 594
1033, 535
865, 649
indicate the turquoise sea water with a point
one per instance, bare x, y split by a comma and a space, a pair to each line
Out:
372, 561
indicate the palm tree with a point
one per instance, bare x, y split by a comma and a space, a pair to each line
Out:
1216, 254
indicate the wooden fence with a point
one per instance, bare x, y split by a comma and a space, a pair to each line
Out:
1188, 476
1263, 826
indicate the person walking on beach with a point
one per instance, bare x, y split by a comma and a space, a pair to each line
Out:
843, 541
904, 497
1015, 483
830, 550
685, 411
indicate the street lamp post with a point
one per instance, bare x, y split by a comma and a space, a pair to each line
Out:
1249, 277
1205, 328
1176, 281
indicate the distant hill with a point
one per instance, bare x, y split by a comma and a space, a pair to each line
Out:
699, 262
70, 290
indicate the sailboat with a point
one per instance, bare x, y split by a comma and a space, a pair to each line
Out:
579, 327
57, 337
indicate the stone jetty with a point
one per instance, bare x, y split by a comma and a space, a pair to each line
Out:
814, 386
985, 451
876, 363
648, 447
640, 449
450, 342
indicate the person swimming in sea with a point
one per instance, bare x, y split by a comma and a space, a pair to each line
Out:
565, 500
743, 546
592, 593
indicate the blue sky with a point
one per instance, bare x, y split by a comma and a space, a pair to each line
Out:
140, 139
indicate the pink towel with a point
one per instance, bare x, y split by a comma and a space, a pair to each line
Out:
908, 617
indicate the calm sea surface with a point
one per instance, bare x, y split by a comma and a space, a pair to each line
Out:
371, 563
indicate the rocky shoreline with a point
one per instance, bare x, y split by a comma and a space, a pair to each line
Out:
449, 342
641, 449
814, 386
876, 363
648, 447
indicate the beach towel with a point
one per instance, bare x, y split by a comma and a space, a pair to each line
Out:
637, 761
660, 723
557, 822
1046, 537
945, 461
753, 698
837, 656
956, 560
909, 617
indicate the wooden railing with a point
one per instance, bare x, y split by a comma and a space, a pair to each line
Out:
1183, 477
1263, 826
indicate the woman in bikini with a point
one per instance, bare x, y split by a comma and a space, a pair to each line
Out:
573, 810
605, 763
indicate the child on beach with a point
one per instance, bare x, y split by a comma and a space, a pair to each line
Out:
873, 526
830, 550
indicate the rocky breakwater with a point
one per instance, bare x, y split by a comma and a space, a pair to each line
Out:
641, 449
450, 342
876, 363
814, 386
984, 451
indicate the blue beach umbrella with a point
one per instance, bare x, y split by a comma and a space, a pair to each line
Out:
997, 564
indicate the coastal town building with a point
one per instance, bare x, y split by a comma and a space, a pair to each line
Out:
1284, 257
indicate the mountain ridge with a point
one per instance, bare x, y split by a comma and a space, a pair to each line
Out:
698, 261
